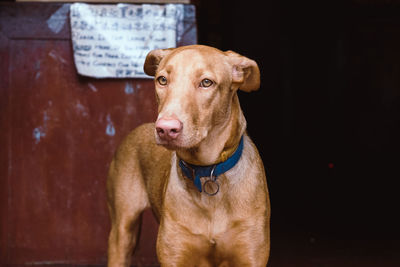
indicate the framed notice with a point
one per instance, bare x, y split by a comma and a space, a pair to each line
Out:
112, 41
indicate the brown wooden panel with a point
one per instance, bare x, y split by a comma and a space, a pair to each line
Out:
31, 21
58, 133
4, 146
64, 132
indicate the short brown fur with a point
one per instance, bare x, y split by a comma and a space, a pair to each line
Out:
228, 229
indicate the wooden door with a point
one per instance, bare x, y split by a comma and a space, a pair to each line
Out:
58, 132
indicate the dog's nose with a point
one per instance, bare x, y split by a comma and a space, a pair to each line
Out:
168, 129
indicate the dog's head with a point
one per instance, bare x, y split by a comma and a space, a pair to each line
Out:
195, 86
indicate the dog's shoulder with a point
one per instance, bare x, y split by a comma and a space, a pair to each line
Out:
141, 143
143, 134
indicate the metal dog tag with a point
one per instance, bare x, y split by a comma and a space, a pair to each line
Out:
211, 186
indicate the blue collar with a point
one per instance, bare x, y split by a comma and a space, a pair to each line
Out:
195, 172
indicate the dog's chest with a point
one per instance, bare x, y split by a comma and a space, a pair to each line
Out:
206, 216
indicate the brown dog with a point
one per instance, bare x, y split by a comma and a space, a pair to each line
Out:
195, 167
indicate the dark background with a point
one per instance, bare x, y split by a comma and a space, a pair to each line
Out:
326, 121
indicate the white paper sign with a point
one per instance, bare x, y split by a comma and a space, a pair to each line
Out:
113, 40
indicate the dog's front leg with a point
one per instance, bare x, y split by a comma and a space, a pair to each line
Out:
122, 241
127, 199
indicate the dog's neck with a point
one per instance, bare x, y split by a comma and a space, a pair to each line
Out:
221, 142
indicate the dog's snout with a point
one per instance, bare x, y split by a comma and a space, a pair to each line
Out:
168, 129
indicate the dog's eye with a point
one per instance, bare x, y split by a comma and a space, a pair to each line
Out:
206, 83
162, 80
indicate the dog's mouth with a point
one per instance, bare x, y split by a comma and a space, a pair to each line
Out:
175, 144
171, 144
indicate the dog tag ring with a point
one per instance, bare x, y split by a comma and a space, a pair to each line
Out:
211, 186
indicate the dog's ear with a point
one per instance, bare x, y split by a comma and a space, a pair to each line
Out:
245, 72
153, 58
